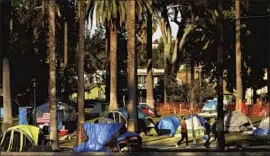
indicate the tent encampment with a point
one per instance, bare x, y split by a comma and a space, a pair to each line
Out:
263, 129
198, 123
20, 138
103, 137
169, 124
141, 114
65, 113
145, 123
210, 109
236, 122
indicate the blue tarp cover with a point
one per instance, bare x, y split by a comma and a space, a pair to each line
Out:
172, 123
261, 132
141, 114
98, 135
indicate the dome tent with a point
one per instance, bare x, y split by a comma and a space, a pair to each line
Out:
170, 123
236, 122
20, 138
198, 123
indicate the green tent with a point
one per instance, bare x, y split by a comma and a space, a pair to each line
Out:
19, 138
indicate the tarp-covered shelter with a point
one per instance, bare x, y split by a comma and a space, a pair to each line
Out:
21, 138
101, 137
236, 122
169, 123
198, 123
263, 129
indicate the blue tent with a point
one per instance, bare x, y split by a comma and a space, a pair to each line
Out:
172, 123
98, 136
264, 128
261, 132
201, 119
141, 114
210, 105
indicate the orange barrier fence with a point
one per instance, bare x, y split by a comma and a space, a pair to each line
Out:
177, 107
185, 109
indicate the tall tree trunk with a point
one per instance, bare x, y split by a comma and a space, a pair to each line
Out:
132, 69
52, 77
239, 85
80, 65
5, 40
113, 68
107, 64
149, 79
220, 114
167, 48
65, 44
192, 97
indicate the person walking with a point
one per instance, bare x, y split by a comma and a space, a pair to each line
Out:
184, 133
207, 133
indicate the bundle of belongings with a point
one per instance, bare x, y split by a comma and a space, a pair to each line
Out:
22, 138
107, 137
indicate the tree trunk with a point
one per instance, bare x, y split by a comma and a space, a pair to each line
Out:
220, 114
167, 48
192, 98
107, 64
52, 77
80, 65
239, 85
132, 69
66, 44
149, 79
113, 68
5, 33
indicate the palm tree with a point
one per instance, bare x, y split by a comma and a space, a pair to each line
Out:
52, 77
6, 6
149, 79
220, 114
132, 68
239, 85
80, 57
111, 14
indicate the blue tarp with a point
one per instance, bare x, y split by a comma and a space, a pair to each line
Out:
201, 119
172, 123
1, 112
141, 114
98, 135
261, 132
